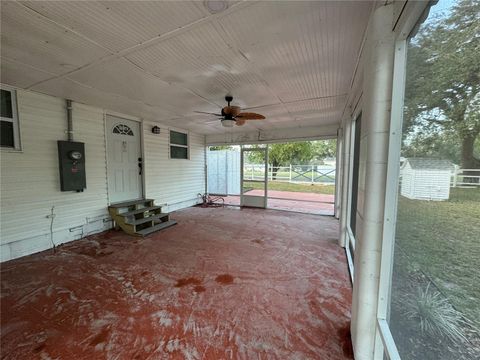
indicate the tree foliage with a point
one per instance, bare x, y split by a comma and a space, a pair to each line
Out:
286, 153
220, 147
442, 99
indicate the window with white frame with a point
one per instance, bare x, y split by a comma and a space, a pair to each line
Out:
179, 148
9, 130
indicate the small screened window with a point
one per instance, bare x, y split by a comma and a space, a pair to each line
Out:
122, 130
178, 145
9, 134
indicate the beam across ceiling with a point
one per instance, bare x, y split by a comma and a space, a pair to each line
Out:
273, 135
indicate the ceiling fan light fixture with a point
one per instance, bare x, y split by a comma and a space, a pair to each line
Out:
216, 6
228, 122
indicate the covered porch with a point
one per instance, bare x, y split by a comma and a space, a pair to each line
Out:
223, 283
135, 93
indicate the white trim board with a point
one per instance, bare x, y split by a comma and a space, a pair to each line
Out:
272, 136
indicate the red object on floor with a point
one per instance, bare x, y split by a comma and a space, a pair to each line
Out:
223, 283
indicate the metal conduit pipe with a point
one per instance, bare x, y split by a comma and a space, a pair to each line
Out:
376, 107
69, 120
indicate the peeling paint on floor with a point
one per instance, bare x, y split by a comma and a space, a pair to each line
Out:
222, 284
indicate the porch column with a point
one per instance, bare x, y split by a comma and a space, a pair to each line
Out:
344, 171
377, 91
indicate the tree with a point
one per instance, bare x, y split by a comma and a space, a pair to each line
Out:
221, 147
442, 99
324, 149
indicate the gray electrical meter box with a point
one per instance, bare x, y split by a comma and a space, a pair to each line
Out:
71, 158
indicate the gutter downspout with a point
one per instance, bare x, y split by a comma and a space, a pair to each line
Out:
69, 120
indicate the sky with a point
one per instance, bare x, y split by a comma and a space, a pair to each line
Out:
443, 7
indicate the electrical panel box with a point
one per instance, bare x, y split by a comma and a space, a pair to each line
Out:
71, 158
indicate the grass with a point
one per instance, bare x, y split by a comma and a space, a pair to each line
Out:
441, 240
285, 186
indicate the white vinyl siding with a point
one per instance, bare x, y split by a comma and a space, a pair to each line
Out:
425, 184
174, 183
30, 184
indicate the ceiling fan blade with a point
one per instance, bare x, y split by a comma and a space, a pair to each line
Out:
208, 113
240, 122
231, 110
250, 116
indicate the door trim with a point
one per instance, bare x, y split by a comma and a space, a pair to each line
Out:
142, 150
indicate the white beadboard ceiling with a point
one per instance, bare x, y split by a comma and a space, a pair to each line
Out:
292, 61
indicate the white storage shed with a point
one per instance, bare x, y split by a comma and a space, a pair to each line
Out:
426, 179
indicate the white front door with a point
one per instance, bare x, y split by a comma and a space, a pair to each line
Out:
124, 159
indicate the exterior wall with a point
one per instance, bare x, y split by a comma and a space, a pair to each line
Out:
30, 178
431, 185
376, 100
173, 183
30, 184
425, 184
408, 180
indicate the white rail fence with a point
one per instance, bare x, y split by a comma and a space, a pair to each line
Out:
304, 174
465, 177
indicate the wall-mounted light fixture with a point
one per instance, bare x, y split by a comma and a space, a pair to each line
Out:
156, 130
215, 6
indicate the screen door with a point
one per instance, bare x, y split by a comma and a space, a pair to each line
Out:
254, 176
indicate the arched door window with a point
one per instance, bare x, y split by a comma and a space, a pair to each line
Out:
122, 129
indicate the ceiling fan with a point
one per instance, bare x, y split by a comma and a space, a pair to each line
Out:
232, 115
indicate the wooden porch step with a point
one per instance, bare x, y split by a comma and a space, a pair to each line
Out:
140, 217
147, 219
141, 210
157, 227
131, 203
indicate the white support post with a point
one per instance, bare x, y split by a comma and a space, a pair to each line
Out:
376, 108
312, 174
344, 211
455, 176
337, 173
290, 177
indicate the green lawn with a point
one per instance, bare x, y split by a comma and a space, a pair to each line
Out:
442, 240
285, 186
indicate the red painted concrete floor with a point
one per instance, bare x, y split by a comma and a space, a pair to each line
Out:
222, 284
320, 204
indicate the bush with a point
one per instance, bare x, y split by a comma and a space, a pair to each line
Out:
435, 315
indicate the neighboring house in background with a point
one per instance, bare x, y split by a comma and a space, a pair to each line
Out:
426, 179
